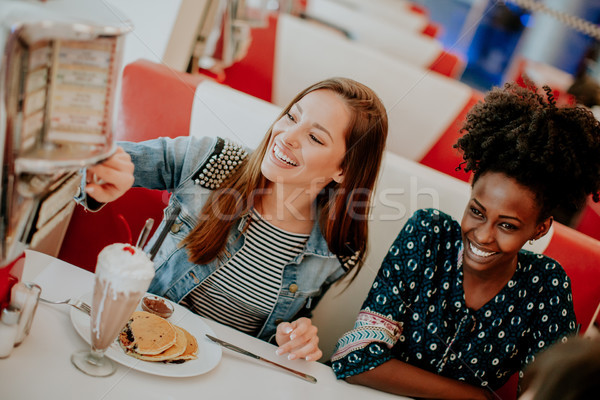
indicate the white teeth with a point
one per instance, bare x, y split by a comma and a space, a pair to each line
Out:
279, 154
478, 252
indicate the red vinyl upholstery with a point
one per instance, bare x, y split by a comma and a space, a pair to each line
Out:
448, 64
254, 74
118, 222
579, 255
441, 156
140, 115
432, 29
589, 221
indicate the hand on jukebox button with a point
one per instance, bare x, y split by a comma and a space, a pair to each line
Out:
109, 180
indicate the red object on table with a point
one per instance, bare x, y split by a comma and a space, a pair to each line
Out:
9, 275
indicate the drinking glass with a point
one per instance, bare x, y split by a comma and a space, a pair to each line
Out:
118, 288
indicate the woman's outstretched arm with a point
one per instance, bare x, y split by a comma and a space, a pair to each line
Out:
400, 378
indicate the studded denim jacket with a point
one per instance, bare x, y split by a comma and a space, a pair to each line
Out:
183, 166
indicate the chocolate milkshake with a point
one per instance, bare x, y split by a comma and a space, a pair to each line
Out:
123, 274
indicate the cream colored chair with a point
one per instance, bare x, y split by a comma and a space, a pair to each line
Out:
395, 35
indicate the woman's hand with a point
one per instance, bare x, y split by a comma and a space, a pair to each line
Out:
109, 180
299, 339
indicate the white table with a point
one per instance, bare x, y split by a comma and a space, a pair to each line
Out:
40, 368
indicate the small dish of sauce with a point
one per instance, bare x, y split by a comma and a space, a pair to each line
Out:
157, 305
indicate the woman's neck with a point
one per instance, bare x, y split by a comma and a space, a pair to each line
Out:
288, 208
480, 287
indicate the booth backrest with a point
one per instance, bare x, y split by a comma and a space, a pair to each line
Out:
392, 37
140, 116
589, 220
399, 13
221, 111
579, 255
387, 8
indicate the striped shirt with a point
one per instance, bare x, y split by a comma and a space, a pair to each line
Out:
243, 291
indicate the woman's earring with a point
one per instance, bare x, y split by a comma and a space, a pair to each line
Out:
531, 242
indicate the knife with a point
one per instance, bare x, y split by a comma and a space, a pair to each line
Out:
230, 346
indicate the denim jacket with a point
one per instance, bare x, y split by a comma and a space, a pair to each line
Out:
172, 164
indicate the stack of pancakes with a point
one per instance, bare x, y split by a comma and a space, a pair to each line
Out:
152, 338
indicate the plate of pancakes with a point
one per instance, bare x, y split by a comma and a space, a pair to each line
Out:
174, 347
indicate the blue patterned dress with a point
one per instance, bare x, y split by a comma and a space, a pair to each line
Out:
416, 311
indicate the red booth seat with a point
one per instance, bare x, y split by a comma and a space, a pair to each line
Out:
589, 220
579, 255
394, 33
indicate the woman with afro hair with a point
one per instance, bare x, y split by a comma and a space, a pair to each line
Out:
457, 308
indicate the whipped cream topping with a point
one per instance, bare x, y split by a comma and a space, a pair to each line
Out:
127, 268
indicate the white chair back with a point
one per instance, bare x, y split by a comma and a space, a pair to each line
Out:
392, 38
393, 11
421, 104
219, 110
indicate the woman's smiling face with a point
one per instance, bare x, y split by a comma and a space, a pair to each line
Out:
500, 217
308, 144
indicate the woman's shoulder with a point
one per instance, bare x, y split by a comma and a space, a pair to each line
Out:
541, 268
539, 261
221, 161
432, 214
432, 219
429, 229
178, 150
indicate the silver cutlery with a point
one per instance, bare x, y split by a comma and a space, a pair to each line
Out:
163, 234
230, 346
145, 233
78, 304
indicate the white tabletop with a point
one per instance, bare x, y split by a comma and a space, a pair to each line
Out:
40, 368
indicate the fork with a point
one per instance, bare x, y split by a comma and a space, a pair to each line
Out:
78, 304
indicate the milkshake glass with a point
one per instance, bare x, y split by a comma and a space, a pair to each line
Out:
123, 275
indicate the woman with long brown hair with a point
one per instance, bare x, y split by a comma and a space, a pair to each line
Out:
259, 237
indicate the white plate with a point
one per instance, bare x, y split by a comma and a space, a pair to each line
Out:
209, 353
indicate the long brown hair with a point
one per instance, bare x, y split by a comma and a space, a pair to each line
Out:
344, 206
